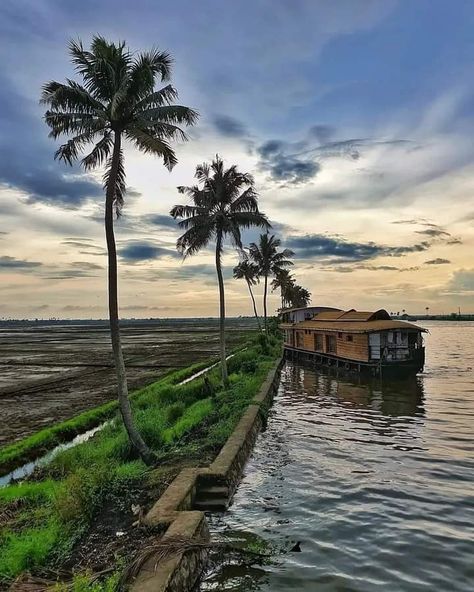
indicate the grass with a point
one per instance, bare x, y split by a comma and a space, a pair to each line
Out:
41, 520
14, 455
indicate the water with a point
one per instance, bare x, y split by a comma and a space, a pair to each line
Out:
375, 480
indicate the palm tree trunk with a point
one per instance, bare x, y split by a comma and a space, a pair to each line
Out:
225, 378
265, 302
124, 403
254, 306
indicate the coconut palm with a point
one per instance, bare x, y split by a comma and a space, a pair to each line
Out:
283, 280
299, 296
249, 272
223, 202
270, 261
116, 101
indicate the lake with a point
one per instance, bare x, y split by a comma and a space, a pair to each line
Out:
374, 479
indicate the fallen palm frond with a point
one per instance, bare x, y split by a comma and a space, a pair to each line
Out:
162, 549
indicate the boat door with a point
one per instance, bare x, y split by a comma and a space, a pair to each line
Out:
374, 343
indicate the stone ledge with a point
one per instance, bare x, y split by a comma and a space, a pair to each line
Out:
179, 572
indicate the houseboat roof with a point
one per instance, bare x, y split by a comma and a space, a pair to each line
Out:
322, 308
353, 321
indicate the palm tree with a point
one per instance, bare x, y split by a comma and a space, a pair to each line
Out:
249, 272
299, 296
117, 100
270, 261
283, 280
223, 202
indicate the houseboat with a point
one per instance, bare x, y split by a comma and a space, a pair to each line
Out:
354, 340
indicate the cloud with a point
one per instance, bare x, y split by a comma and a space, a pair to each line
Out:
433, 232
84, 246
161, 220
7, 262
281, 167
437, 261
27, 163
321, 246
299, 162
229, 126
349, 269
462, 282
137, 251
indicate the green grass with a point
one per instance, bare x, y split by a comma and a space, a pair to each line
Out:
14, 455
45, 518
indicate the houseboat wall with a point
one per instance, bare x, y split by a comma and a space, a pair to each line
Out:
352, 346
390, 346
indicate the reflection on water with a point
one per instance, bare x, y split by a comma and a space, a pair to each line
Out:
375, 479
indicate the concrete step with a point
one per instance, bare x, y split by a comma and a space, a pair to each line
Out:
212, 505
212, 492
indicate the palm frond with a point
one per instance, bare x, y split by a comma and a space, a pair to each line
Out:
66, 123
100, 153
70, 97
194, 239
158, 98
69, 152
150, 144
174, 114
120, 184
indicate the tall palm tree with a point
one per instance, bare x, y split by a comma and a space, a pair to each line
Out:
270, 261
116, 101
223, 202
249, 272
283, 280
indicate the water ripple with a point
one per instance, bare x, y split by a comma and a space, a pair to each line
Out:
375, 480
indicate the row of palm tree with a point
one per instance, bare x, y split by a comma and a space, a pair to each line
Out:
117, 101
292, 294
264, 260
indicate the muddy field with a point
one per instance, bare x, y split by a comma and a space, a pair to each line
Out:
51, 373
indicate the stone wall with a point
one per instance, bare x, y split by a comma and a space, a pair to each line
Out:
176, 507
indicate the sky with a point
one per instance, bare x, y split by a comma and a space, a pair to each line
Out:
354, 116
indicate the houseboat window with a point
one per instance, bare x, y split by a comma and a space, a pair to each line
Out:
331, 344
339, 335
318, 342
349, 338
299, 339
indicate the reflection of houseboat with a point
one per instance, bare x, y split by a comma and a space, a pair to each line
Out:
354, 340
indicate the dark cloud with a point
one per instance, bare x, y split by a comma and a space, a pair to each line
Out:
438, 261
284, 168
320, 246
229, 126
322, 133
27, 163
433, 232
144, 251
7, 262
299, 162
161, 220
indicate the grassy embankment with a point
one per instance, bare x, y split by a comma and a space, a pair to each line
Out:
42, 520
16, 454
